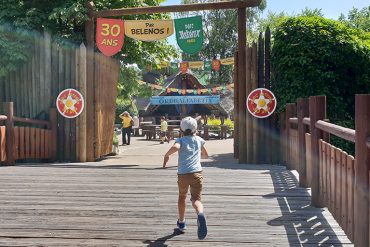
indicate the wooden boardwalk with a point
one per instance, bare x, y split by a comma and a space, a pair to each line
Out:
128, 200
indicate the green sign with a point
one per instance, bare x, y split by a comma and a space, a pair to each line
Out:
189, 34
175, 66
208, 66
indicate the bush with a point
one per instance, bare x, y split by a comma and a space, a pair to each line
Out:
317, 56
216, 122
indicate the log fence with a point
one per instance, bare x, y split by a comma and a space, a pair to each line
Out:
252, 136
25, 138
338, 181
51, 68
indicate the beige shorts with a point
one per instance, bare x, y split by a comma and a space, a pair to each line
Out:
195, 181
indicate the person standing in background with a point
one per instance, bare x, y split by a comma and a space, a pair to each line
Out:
164, 129
127, 123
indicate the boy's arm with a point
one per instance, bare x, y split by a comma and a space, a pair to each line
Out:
204, 153
171, 151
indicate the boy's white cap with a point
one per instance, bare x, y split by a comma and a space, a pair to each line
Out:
188, 123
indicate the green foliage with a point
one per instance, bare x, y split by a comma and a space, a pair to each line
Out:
128, 85
358, 18
14, 49
220, 36
65, 19
317, 56
216, 123
124, 105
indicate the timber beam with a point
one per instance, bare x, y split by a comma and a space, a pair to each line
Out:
176, 8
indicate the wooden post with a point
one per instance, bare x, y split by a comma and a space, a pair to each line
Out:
282, 139
249, 125
90, 110
317, 109
236, 108
9, 123
254, 124
302, 112
184, 108
242, 84
290, 112
262, 123
82, 118
270, 127
54, 133
361, 207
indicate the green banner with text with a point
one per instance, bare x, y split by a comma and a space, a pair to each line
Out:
189, 34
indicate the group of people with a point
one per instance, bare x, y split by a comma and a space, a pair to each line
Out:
191, 149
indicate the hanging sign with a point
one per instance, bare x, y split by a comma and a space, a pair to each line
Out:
216, 65
196, 65
261, 103
70, 103
185, 100
149, 30
227, 61
208, 66
184, 67
174, 66
109, 35
189, 34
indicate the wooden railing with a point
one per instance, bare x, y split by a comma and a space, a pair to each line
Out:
25, 142
338, 180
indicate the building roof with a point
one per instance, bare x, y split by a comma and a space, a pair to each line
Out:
175, 81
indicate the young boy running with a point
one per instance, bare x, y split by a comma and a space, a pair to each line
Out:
191, 149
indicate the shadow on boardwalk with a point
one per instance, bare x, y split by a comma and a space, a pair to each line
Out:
161, 242
304, 225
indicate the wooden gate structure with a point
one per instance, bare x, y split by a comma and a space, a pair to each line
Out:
246, 73
33, 89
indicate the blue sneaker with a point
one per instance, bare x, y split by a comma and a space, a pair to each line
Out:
181, 226
202, 226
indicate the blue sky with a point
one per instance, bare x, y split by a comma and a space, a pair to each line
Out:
330, 8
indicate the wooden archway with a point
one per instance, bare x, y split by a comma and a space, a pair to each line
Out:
240, 85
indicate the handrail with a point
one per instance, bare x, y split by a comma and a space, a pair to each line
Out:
342, 132
32, 121
3, 117
306, 121
293, 120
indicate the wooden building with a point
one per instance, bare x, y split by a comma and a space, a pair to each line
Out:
184, 84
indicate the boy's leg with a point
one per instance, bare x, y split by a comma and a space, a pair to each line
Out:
183, 184
196, 193
181, 203
198, 206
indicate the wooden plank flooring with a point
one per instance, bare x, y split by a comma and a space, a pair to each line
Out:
129, 200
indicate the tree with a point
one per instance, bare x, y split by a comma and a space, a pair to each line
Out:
65, 20
318, 56
357, 18
220, 36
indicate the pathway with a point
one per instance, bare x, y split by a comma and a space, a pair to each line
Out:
129, 200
